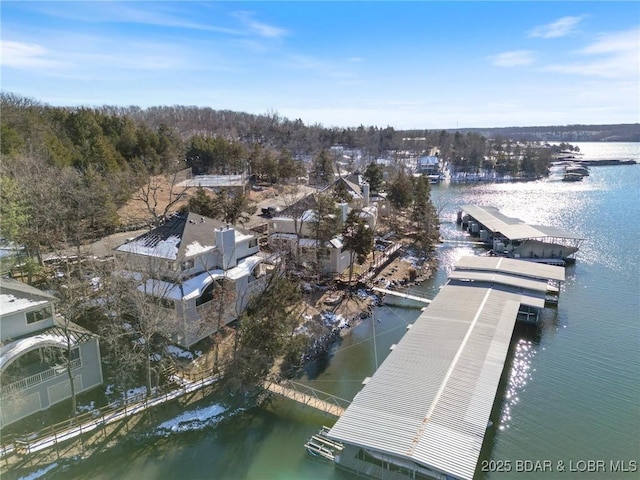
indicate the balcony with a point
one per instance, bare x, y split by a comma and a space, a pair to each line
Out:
38, 378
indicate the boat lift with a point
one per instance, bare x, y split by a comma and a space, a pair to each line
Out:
320, 445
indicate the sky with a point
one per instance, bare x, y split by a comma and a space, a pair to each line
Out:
408, 65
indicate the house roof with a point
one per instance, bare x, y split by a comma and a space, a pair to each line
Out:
307, 202
180, 237
428, 160
51, 337
194, 286
16, 296
353, 188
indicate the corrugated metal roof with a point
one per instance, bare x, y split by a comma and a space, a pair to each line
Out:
511, 266
430, 400
513, 228
504, 279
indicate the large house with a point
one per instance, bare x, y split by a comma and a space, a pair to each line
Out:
293, 228
194, 266
33, 353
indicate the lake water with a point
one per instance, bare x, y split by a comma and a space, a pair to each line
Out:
571, 390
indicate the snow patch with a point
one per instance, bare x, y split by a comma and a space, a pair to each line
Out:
196, 419
39, 473
196, 248
179, 352
331, 319
163, 249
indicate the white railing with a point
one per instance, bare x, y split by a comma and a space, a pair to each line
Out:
38, 378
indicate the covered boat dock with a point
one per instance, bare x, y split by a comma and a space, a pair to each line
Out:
425, 411
514, 238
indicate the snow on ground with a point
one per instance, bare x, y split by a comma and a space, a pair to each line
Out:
331, 319
87, 408
139, 391
39, 473
196, 419
181, 353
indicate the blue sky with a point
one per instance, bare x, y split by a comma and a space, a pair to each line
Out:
400, 64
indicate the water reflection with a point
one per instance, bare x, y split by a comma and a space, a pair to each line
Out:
519, 375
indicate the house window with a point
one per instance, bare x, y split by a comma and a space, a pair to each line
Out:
253, 243
187, 264
39, 315
206, 296
166, 303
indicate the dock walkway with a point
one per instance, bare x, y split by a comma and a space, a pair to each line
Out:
402, 299
309, 396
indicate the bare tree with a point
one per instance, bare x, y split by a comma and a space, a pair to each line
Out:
149, 194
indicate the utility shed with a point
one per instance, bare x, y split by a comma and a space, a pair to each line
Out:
425, 411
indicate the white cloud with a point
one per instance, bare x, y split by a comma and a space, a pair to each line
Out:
515, 58
614, 55
125, 12
560, 28
259, 28
615, 42
26, 55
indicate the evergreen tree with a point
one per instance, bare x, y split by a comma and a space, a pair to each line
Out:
423, 215
357, 238
400, 190
233, 208
373, 175
325, 225
202, 203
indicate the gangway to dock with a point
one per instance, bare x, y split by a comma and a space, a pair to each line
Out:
310, 396
402, 299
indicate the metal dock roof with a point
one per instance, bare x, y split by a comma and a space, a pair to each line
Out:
430, 400
511, 266
514, 228
493, 277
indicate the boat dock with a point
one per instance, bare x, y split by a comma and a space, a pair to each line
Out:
513, 238
425, 410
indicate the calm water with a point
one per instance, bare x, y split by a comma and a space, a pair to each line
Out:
571, 389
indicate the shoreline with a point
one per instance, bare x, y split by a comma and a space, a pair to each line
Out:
342, 315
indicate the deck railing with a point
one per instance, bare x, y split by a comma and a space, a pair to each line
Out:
38, 378
89, 421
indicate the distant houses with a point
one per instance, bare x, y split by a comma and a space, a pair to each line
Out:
33, 353
186, 264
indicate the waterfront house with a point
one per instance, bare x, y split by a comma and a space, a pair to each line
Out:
33, 353
187, 264
429, 165
292, 229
